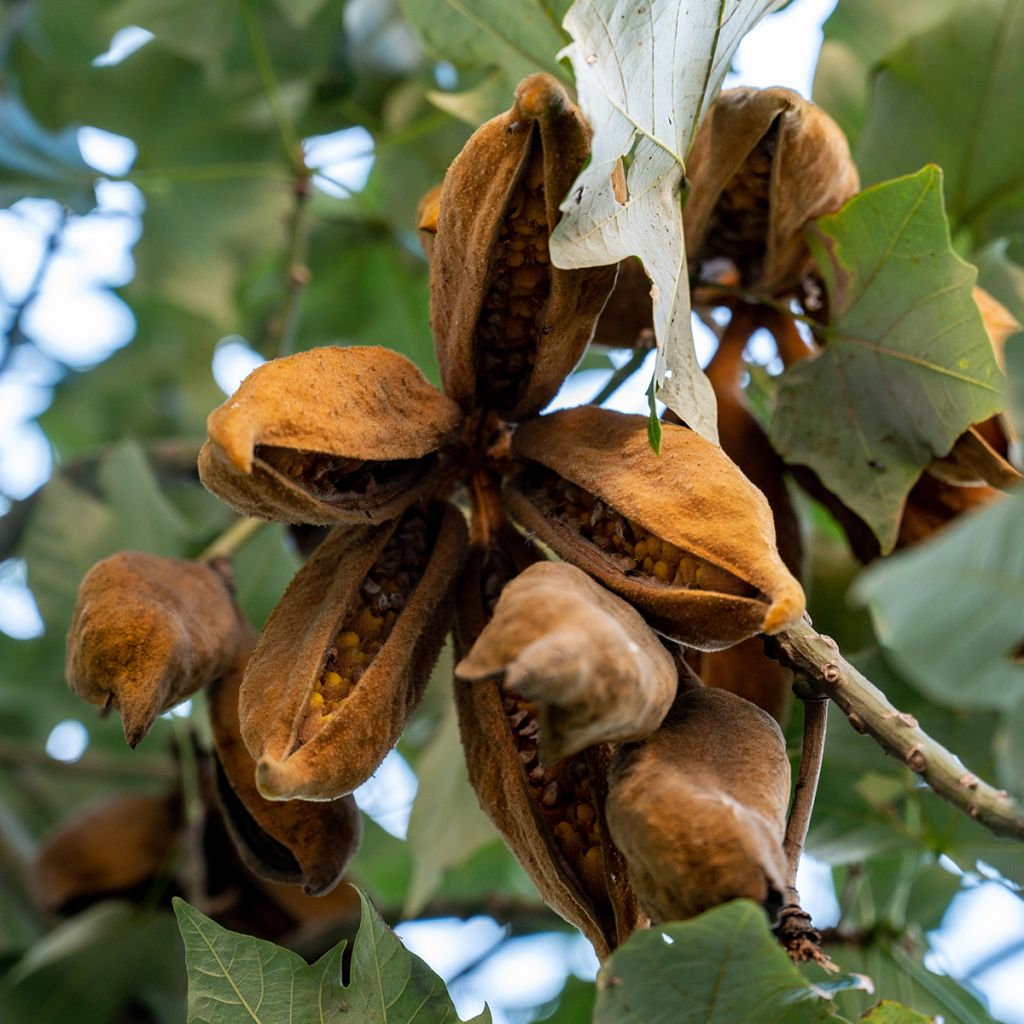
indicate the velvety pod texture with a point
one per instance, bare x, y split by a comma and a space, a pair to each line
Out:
683, 536
764, 164
584, 657
332, 435
509, 326
298, 841
345, 655
148, 632
699, 809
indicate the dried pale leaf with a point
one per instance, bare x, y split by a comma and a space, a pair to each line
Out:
147, 632
974, 462
108, 849
699, 809
283, 841
764, 164
509, 327
584, 657
684, 536
370, 607
326, 436
644, 75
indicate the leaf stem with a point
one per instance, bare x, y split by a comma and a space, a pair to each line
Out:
811, 755
225, 546
298, 271
265, 68
753, 299
621, 375
809, 653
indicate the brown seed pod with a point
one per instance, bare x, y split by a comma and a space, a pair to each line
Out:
112, 848
699, 808
745, 669
426, 220
627, 320
332, 435
509, 326
346, 653
683, 536
281, 840
550, 816
582, 656
148, 632
764, 164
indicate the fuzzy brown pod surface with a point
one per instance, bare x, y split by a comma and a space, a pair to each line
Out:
147, 632
699, 808
683, 536
509, 326
582, 656
299, 841
332, 435
550, 814
764, 164
345, 655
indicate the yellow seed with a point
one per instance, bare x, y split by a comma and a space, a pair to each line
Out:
316, 699
332, 679
348, 639
661, 571
584, 813
592, 868
640, 551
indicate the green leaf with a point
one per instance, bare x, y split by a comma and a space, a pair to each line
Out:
721, 967
93, 967
888, 1012
236, 978
948, 97
480, 34
907, 365
35, 162
299, 13
857, 36
644, 76
198, 30
948, 611
446, 826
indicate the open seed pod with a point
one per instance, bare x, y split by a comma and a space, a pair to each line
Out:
332, 435
699, 808
582, 656
301, 841
551, 816
764, 164
509, 326
345, 655
683, 536
147, 632
115, 847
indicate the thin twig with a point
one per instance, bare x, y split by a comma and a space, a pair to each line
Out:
811, 754
869, 711
232, 539
621, 375
297, 270
15, 335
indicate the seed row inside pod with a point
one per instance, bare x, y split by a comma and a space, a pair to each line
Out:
633, 549
739, 222
370, 618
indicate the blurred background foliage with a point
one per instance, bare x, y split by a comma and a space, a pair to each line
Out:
264, 162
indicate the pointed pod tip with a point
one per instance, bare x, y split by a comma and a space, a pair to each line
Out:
273, 779
785, 610
540, 95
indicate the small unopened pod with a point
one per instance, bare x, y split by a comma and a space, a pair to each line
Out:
509, 327
550, 813
683, 536
332, 435
585, 658
298, 841
699, 809
764, 164
147, 632
345, 655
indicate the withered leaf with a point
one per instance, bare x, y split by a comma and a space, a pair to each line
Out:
110, 848
584, 657
764, 164
345, 655
551, 816
699, 808
332, 435
147, 632
509, 327
281, 840
684, 536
